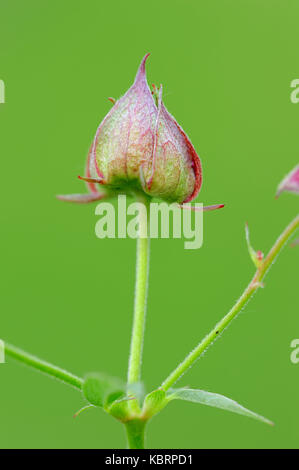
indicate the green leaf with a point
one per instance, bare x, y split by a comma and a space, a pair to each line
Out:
216, 400
119, 409
102, 390
154, 402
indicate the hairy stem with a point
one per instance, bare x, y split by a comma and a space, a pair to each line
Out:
142, 268
135, 433
43, 366
255, 283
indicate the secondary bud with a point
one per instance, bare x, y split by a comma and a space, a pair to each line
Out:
290, 183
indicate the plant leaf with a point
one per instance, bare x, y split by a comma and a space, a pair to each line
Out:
102, 390
214, 399
119, 409
154, 402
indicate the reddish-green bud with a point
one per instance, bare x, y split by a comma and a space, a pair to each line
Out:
139, 145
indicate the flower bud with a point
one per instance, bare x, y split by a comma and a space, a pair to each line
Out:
140, 147
290, 183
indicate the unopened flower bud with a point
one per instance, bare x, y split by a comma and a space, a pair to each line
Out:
140, 147
290, 183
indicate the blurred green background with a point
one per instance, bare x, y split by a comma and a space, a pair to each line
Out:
226, 67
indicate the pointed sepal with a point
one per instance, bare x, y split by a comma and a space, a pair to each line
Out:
256, 256
201, 209
81, 198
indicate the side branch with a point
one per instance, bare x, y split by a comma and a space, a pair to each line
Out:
255, 283
43, 366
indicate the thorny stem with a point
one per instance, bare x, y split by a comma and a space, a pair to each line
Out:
142, 267
255, 283
43, 366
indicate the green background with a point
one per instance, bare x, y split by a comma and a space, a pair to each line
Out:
226, 67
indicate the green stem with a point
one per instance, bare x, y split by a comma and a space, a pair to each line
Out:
135, 433
142, 267
255, 283
43, 366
